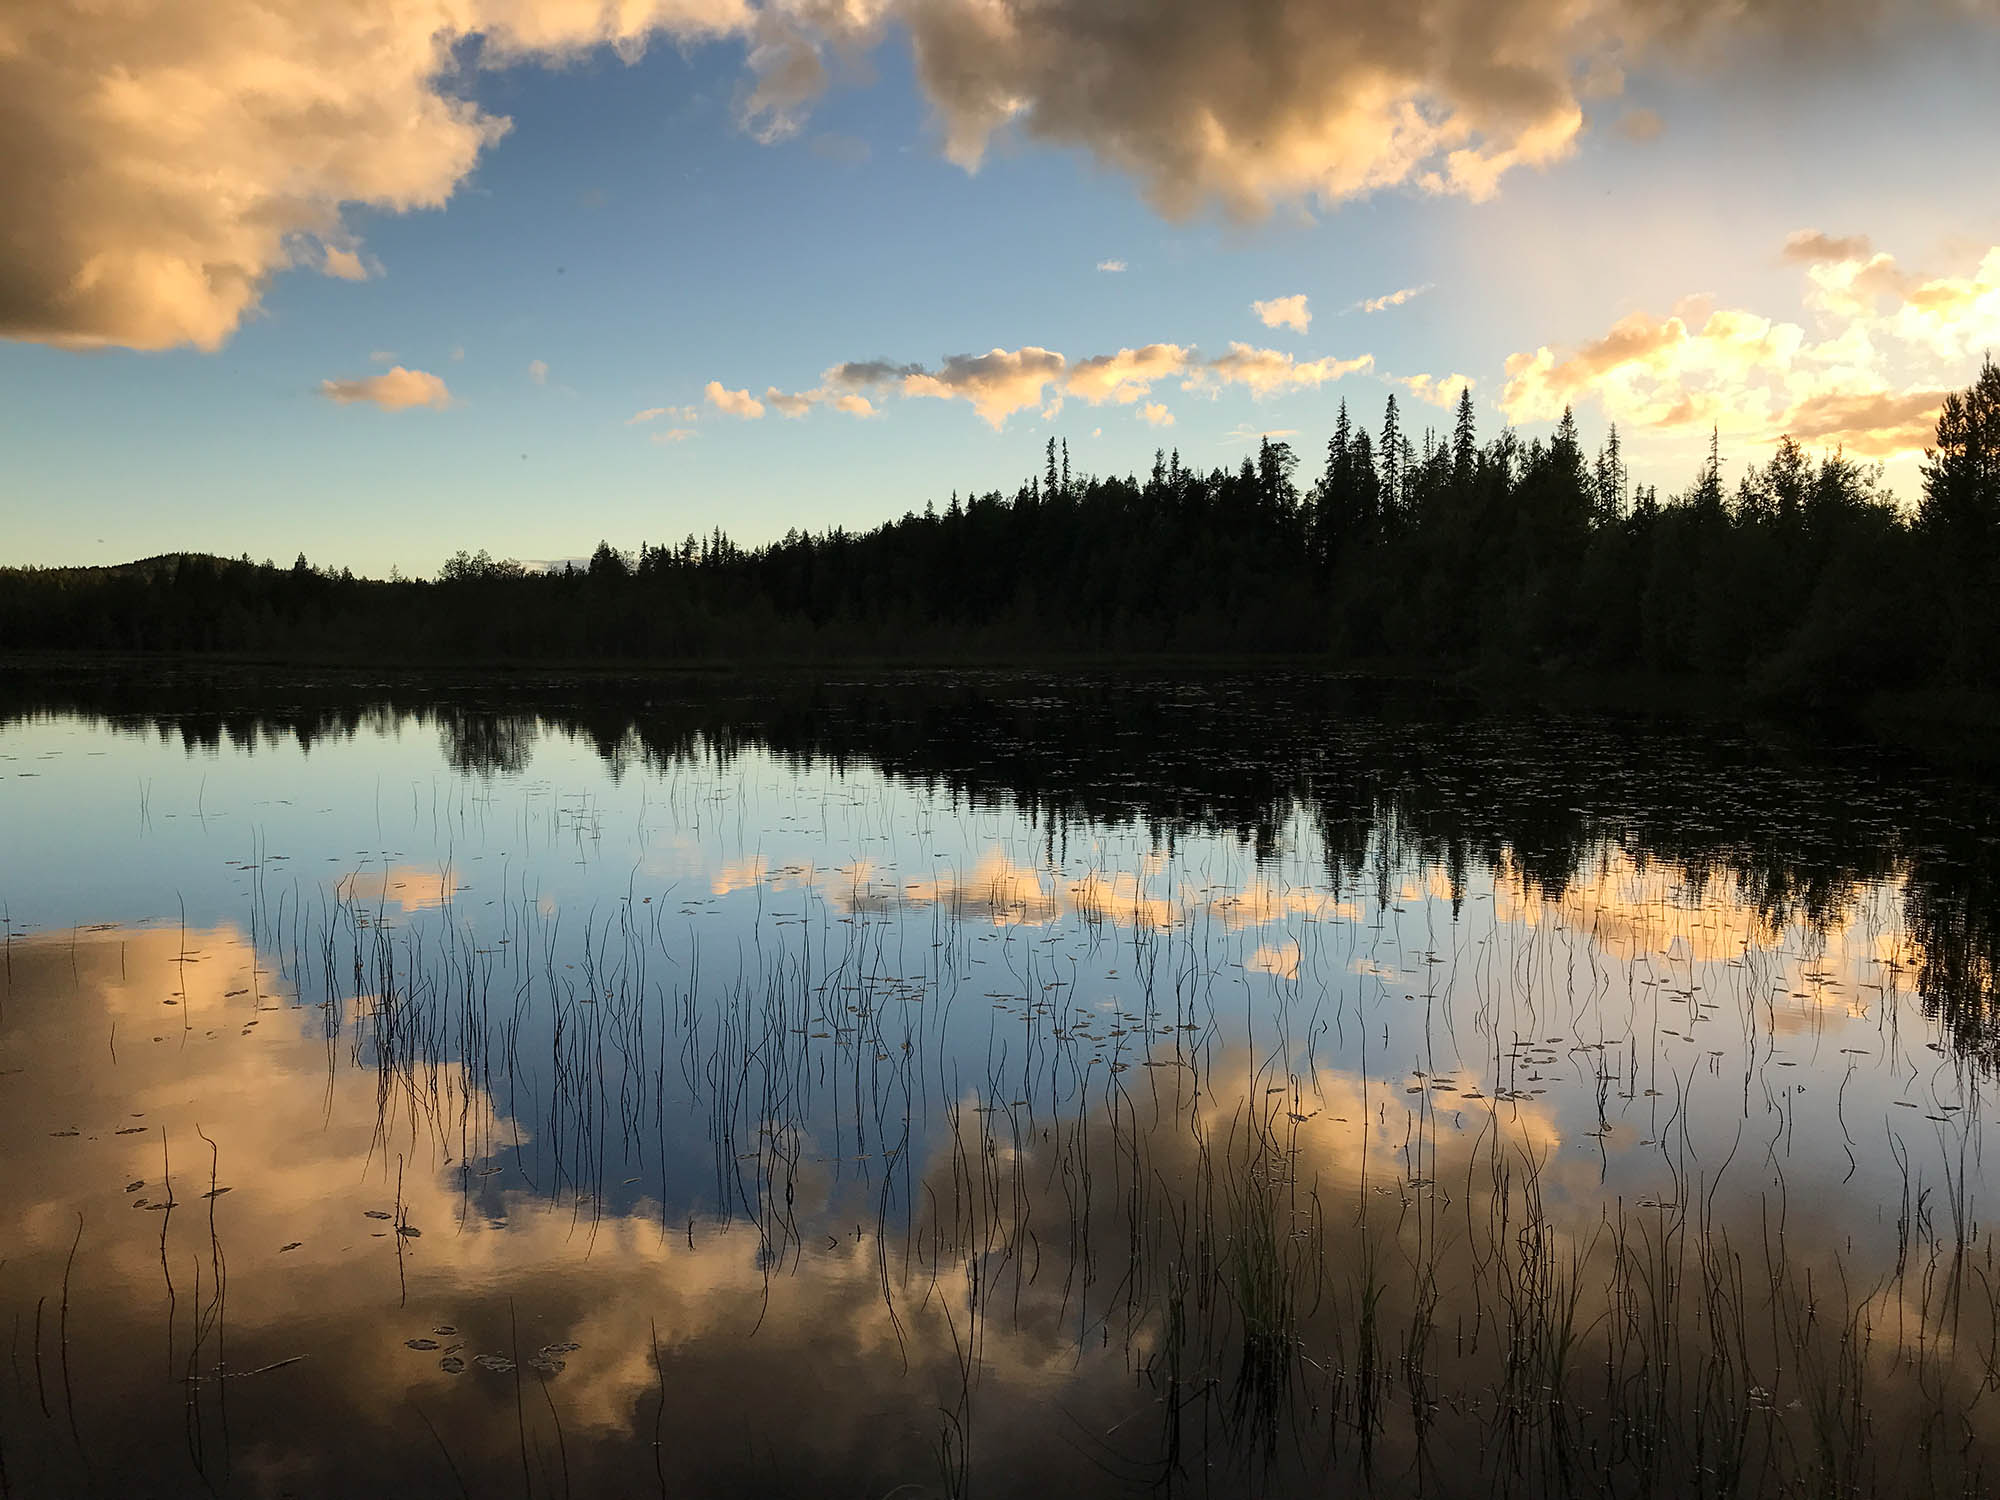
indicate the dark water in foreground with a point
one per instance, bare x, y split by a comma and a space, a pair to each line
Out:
982, 1085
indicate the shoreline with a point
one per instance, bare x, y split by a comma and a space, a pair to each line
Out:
1961, 729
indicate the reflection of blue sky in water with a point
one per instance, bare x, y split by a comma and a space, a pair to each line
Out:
836, 976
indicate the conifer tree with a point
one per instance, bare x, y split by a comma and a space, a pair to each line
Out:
1391, 484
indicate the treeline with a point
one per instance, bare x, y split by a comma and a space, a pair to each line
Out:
1805, 579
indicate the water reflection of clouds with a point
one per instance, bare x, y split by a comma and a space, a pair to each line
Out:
307, 1146
408, 888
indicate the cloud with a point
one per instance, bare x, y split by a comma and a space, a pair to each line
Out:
788, 405
1391, 299
393, 390
1890, 343
381, 356
673, 435
1001, 382
344, 264
1128, 375
1284, 312
998, 383
864, 374
1438, 390
1813, 245
798, 403
165, 161
1641, 125
1870, 423
650, 414
538, 371
1269, 371
1111, 265
734, 403
1269, 101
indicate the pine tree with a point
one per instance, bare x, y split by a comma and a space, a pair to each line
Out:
1608, 479
1391, 486
1960, 509
1464, 448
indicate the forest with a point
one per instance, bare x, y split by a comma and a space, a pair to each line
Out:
1805, 581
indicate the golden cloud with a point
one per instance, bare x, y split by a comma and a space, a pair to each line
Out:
1892, 343
998, 383
1128, 375
1269, 371
395, 389
1284, 312
735, 403
165, 161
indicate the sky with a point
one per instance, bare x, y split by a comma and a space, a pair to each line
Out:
376, 280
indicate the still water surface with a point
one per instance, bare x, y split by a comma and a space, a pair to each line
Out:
982, 1085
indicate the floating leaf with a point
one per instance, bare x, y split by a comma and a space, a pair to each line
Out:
292, 1246
376, 1213
451, 1364
420, 1343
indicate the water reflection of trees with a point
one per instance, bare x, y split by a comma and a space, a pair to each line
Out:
1382, 770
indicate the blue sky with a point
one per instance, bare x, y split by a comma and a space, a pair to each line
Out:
629, 240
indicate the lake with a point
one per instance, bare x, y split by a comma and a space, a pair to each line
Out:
983, 1084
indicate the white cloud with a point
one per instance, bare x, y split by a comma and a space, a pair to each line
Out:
734, 403
672, 435
1156, 414
1392, 299
650, 414
1111, 265
382, 356
1890, 343
1284, 312
538, 371
393, 390
1243, 432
